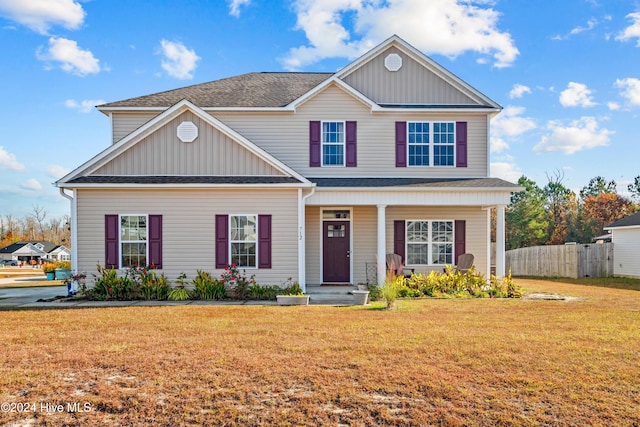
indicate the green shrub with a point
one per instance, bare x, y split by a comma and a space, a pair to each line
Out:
268, 293
180, 293
291, 288
504, 287
237, 282
150, 284
208, 288
391, 288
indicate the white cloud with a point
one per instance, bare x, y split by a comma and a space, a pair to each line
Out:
578, 135
632, 31
234, 6
31, 185
57, 171
40, 15
613, 106
72, 59
447, 27
576, 95
9, 161
519, 90
85, 106
506, 169
178, 62
630, 89
509, 124
590, 26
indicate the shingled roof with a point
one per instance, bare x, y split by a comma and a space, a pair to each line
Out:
252, 90
628, 221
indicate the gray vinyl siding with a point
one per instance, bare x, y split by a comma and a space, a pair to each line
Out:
286, 136
364, 236
124, 123
189, 226
212, 153
411, 84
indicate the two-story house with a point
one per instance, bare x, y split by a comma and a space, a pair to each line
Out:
313, 176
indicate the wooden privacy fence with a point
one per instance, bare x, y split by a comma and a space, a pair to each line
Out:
593, 260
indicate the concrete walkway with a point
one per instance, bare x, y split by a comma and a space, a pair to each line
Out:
28, 298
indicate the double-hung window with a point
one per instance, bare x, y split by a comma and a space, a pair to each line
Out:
429, 242
333, 144
133, 240
244, 240
431, 143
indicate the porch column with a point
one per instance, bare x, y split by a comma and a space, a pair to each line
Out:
302, 274
500, 246
381, 252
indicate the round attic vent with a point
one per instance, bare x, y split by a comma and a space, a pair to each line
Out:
187, 132
393, 62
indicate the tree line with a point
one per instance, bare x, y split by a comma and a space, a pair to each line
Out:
36, 225
554, 214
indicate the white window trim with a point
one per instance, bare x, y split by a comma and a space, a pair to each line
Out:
323, 143
429, 241
120, 241
432, 144
231, 241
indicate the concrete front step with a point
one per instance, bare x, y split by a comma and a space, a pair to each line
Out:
340, 295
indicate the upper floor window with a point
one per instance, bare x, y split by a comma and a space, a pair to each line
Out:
431, 143
333, 143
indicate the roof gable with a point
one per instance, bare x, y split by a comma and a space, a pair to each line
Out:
127, 146
419, 81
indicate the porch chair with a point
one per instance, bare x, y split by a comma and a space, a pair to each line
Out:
395, 260
465, 262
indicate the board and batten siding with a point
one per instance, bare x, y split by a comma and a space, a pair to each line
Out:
123, 123
211, 153
411, 84
286, 136
364, 236
626, 249
188, 226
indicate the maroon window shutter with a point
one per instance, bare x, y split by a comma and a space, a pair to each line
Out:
155, 241
459, 230
314, 144
351, 140
461, 144
264, 241
401, 144
111, 241
222, 241
398, 239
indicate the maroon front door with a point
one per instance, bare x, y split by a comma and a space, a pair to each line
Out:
335, 252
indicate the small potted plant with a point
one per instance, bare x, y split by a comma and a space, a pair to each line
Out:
292, 294
49, 270
63, 270
361, 295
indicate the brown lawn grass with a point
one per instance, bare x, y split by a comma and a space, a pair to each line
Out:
442, 362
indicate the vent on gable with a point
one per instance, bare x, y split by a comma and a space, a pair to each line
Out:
187, 131
393, 62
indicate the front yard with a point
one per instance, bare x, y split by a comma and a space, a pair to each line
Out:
443, 361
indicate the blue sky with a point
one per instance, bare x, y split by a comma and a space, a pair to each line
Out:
567, 73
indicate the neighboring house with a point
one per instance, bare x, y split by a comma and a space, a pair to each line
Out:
625, 235
313, 176
59, 253
28, 250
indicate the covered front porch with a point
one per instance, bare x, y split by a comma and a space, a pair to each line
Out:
348, 230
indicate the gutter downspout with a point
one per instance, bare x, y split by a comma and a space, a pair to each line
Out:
302, 241
74, 228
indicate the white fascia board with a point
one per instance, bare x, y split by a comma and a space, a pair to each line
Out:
187, 186
483, 111
390, 197
622, 227
155, 123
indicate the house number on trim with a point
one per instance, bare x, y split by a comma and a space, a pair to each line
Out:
187, 132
